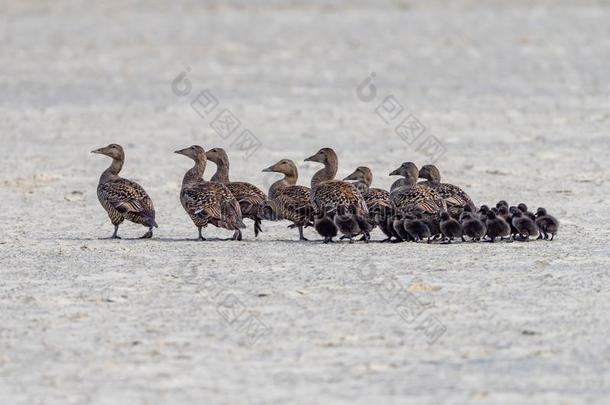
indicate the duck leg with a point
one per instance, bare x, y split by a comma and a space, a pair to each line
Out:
200, 235
301, 237
114, 235
237, 235
148, 234
257, 226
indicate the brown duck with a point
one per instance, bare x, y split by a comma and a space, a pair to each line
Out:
208, 202
411, 196
377, 200
252, 201
328, 193
121, 198
454, 197
288, 200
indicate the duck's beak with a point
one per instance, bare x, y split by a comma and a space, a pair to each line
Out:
352, 176
98, 151
180, 152
395, 172
313, 158
269, 169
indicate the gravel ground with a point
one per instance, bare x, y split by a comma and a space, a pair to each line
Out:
510, 100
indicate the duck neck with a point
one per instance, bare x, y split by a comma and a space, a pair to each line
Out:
195, 174
288, 180
325, 174
222, 173
113, 171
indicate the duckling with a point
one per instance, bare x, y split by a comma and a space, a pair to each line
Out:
524, 225
473, 227
513, 230
466, 211
504, 213
483, 210
450, 227
208, 202
380, 214
347, 223
121, 198
501, 203
290, 201
328, 192
497, 227
547, 224
411, 195
417, 228
377, 200
325, 225
398, 226
252, 201
523, 208
454, 197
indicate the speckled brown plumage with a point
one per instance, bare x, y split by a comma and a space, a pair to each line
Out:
326, 192
252, 201
412, 196
288, 200
208, 202
121, 198
454, 197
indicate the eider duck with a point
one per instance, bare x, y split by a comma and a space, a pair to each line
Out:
472, 226
377, 200
497, 227
252, 201
121, 198
547, 224
417, 228
450, 227
324, 224
524, 225
347, 222
523, 208
208, 202
288, 200
411, 196
454, 197
326, 192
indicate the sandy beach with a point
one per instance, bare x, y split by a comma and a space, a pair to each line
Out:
510, 100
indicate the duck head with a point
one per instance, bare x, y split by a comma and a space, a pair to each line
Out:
430, 173
362, 174
218, 156
325, 156
407, 169
284, 166
195, 152
113, 150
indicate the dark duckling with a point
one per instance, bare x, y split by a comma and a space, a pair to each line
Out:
501, 203
450, 227
399, 231
454, 197
347, 222
473, 227
288, 200
466, 211
326, 192
208, 202
497, 227
412, 196
417, 228
547, 224
121, 198
523, 208
524, 225
325, 225
252, 201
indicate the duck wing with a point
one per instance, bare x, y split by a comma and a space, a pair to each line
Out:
251, 199
419, 197
209, 202
128, 198
334, 193
294, 203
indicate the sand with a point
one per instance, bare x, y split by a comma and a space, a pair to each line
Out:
510, 100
